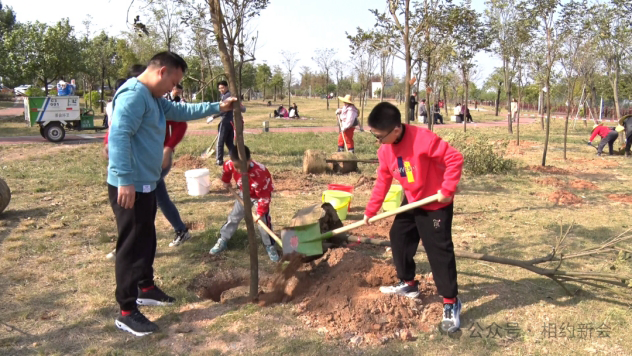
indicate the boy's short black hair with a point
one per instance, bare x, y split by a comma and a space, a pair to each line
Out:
222, 82
169, 60
385, 116
119, 83
179, 86
136, 70
234, 154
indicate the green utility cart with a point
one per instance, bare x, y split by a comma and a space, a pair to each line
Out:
56, 114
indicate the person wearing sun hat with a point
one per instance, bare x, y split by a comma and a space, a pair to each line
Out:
608, 136
625, 124
348, 120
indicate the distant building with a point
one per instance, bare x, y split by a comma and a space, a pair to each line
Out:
375, 86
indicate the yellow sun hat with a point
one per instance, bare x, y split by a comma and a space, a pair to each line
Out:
620, 128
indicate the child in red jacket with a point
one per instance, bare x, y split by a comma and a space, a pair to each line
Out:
423, 164
608, 136
261, 188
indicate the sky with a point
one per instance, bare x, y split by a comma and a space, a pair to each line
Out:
300, 26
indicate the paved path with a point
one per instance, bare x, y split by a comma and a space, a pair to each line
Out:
82, 138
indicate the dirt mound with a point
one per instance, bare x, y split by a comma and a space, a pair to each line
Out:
196, 225
341, 296
551, 181
548, 169
338, 294
189, 162
582, 185
621, 198
563, 197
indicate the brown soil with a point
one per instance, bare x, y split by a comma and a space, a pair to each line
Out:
621, 198
211, 284
601, 163
364, 183
189, 162
512, 149
551, 181
563, 197
338, 294
196, 225
379, 229
291, 181
582, 185
548, 169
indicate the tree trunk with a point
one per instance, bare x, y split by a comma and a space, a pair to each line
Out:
615, 91
289, 91
498, 97
548, 121
102, 86
465, 103
542, 111
430, 114
568, 113
518, 114
275, 93
227, 61
45, 87
509, 113
408, 74
327, 89
264, 91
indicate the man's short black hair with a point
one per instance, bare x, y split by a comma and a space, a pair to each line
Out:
169, 60
385, 116
136, 70
222, 82
234, 153
179, 86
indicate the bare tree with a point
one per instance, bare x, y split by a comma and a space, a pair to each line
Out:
363, 57
229, 18
325, 60
572, 40
339, 68
544, 11
167, 18
289, 61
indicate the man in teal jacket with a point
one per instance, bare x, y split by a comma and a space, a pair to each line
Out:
136, 143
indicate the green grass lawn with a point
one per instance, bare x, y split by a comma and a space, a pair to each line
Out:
58, 288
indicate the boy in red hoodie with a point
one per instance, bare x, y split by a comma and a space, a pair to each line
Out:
423, 164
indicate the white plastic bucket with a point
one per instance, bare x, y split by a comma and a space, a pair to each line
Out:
198, 181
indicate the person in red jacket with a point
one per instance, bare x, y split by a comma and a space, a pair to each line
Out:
423, 164
608, 136
261, 188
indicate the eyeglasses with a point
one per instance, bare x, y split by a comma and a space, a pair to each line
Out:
383, 137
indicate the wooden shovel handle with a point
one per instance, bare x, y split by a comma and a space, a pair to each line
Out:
401, 209
255, 216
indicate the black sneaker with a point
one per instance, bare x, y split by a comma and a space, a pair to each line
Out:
135, 323
154, 296
402, 288
181, 236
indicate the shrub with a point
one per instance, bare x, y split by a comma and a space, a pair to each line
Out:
96, 96
34, 91
481, 154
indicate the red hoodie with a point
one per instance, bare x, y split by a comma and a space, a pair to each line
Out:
602, 131
423, 164
175, 134
261, 186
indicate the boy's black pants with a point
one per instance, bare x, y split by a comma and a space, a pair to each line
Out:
434, 228
135, 247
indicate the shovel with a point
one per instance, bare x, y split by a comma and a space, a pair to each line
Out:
255, 216
342, 133
307, 240
210, 150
